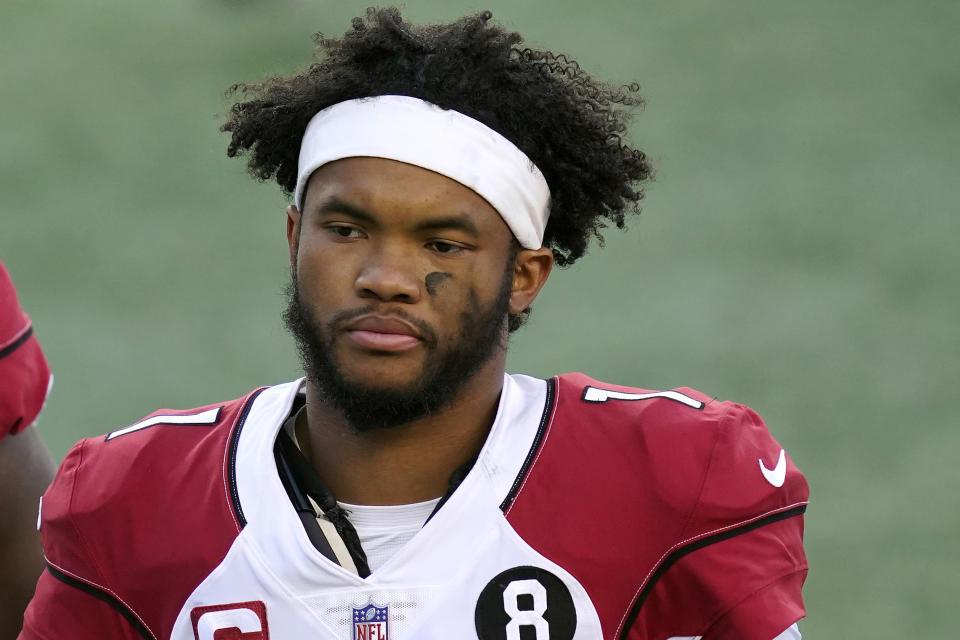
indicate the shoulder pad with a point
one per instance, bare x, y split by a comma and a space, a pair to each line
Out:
155, 490
695, 449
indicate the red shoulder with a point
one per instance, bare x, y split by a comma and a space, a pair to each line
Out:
714, 458
158, 491
641, 441
641, 476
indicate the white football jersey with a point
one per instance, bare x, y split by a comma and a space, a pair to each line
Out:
592, 511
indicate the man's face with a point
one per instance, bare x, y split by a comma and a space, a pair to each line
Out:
401, 288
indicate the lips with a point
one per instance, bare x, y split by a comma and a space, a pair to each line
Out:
383, 333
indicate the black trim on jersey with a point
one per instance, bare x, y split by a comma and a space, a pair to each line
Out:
16, 344
232, 458
456, 479
537, 441
699, 544
99, 594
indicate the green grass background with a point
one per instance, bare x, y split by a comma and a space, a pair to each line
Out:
797, 251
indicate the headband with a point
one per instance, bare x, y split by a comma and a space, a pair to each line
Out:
442, 140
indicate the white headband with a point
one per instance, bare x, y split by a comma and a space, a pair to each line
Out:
445, 141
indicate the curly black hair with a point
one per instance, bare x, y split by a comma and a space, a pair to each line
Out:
568, 123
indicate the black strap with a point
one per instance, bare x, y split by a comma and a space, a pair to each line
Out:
300, 501
304, 480
301, 480
456, 479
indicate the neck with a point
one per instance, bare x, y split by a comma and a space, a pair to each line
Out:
406, 463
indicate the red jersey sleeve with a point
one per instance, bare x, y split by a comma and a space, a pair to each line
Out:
59, 610
72, 599
737, 574
63, 546
155, 491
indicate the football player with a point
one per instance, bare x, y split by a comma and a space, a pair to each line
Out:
408, 487
25, 465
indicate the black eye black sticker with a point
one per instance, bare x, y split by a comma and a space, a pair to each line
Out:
434, 280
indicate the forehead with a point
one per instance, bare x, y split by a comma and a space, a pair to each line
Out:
391, 188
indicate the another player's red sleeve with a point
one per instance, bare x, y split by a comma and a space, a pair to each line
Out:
59, 610
23, 368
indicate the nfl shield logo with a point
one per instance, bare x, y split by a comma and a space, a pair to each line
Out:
370, 623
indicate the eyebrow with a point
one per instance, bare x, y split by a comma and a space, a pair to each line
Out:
457, 222
333, 204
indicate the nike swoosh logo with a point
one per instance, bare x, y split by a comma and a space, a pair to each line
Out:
778, 474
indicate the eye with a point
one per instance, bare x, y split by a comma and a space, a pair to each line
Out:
445, 248
344, 231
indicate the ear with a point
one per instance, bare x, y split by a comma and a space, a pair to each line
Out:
529, 275
293, 233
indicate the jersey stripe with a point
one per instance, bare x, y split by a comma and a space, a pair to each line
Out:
109, 598
692, 546
548, 406
595, 394
17, 342
232, 457
206, 418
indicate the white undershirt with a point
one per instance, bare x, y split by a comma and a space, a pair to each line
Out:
384, 529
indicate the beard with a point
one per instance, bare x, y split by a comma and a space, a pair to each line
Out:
480, 336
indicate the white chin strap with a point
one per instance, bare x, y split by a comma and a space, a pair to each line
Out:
444, 141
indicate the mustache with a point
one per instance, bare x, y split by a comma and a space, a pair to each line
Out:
342, 318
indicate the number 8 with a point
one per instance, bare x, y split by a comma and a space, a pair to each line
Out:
526, 617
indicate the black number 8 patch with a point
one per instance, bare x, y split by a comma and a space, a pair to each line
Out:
525, 603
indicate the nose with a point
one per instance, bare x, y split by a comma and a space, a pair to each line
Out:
389, 275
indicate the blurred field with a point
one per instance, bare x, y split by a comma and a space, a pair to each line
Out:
796, 252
